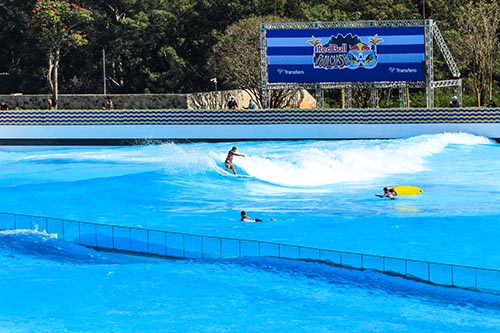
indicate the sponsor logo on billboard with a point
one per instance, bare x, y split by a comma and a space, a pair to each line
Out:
347, 51
396, 70
288, 72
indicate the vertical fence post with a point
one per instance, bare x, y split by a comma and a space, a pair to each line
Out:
62, 229
147, 240
130, 239
165, 237
183, 246
452, 276
202, 248
428, 272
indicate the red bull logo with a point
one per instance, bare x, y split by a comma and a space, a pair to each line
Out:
345, 52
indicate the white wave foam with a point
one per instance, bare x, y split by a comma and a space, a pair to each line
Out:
310, 163
29, 232
317, 164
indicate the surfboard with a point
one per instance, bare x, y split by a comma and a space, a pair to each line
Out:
241, 176
407, 190
227, 174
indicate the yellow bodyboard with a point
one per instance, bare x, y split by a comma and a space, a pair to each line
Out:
405, 190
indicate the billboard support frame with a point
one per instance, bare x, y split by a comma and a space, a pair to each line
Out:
431, 35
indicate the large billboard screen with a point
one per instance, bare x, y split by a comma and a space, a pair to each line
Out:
330, 55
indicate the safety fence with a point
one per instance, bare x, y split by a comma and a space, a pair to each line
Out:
159, 243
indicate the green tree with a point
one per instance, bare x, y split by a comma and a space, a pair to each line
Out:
328, 11
236, 60
477, 39
165, 45
344, 10
20, 56
387, 9
56, 24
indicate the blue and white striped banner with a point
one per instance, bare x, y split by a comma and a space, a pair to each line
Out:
346, 55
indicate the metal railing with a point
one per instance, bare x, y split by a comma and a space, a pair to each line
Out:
150, 242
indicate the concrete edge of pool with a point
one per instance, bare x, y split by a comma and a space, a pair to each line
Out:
47, 135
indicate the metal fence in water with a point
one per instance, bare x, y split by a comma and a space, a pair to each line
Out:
181, 245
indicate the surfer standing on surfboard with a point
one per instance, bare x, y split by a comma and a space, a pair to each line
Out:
229, 159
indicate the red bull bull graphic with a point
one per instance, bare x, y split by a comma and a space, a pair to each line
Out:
345, 52
329, 55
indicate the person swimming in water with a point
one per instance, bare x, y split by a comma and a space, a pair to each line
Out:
389, 192
246, 218
229, 159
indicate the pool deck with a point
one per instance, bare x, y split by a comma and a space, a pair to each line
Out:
125, 127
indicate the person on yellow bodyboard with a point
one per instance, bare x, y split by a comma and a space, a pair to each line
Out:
389, 192
401, 190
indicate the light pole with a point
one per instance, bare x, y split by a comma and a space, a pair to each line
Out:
214, 80
104, 70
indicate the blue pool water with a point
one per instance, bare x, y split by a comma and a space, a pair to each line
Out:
319, 193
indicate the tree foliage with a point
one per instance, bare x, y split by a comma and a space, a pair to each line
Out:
177, 46
478, 44
235, 59
19, 59
56, 25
